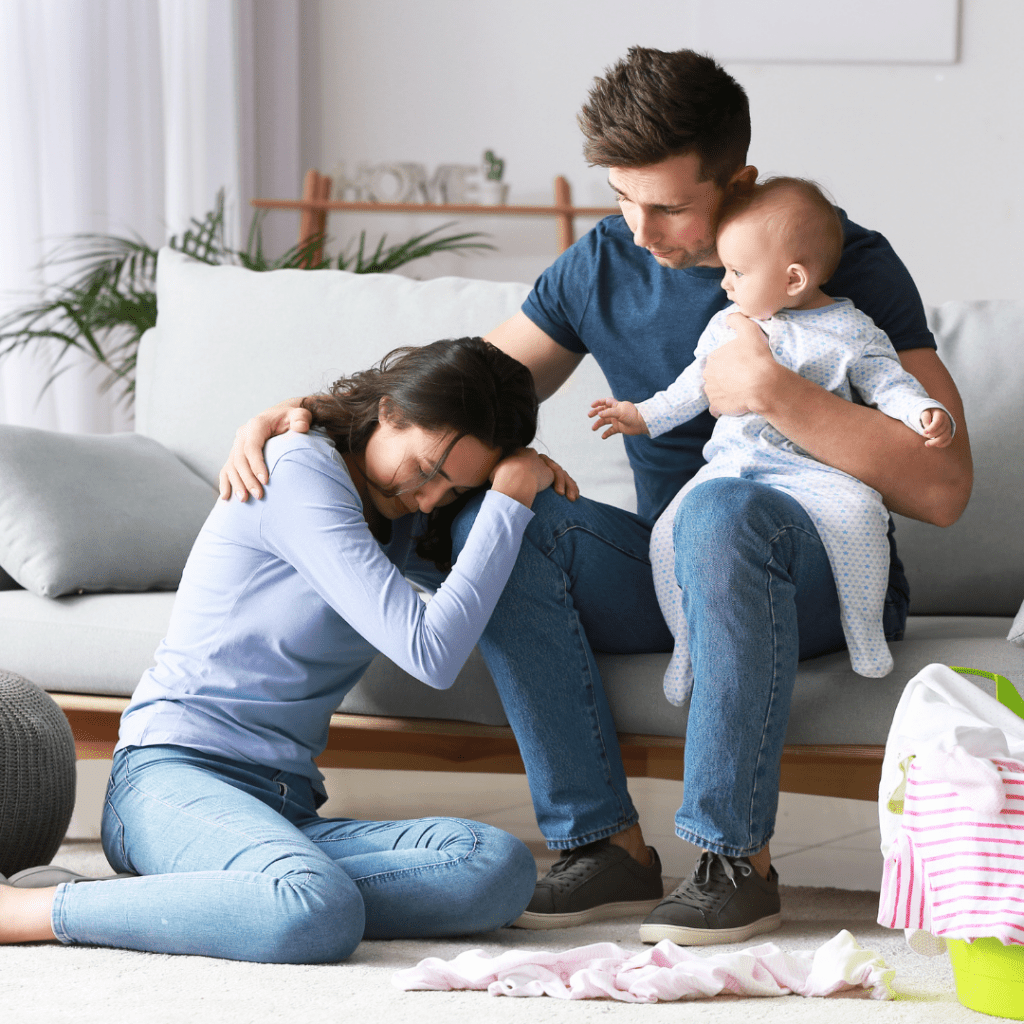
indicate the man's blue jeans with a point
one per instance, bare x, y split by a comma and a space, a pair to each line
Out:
758, 595
236, 863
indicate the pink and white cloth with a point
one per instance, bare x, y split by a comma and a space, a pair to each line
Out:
663, 973
956, 870
951, 810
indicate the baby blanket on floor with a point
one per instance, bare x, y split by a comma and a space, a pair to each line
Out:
664, 973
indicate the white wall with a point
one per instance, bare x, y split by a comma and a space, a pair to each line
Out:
928, 154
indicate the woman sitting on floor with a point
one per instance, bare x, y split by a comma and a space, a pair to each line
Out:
284, 602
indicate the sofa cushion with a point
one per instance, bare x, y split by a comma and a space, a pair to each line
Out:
83, 643
830, 703
91, 512
256, 338
102, 643
976, 566
1016, 634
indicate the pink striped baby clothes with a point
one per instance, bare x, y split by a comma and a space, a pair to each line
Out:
954, 870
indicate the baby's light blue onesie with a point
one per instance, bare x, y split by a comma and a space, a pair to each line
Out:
840, 348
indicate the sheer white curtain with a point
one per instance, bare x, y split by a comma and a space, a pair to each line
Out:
116, 116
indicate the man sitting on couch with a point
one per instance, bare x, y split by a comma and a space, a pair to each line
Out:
636, 292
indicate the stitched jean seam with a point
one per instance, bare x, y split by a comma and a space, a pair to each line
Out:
567, 604
694, 838
773, 696
565, 530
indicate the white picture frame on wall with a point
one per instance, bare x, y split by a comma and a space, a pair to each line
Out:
829, 31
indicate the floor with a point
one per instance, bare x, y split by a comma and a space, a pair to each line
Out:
819, 841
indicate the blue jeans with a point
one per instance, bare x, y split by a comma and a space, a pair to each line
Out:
758, 595
235, 863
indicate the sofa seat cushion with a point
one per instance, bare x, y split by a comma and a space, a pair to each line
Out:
102, 643
830, 704
1016, 634
88, 643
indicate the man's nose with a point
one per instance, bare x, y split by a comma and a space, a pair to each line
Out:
644, 233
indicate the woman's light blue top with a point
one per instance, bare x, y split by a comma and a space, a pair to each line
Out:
284, 602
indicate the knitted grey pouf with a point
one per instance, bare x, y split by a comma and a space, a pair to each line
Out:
37, 775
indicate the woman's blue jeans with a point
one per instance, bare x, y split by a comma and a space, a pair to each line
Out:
758, 595
235, 863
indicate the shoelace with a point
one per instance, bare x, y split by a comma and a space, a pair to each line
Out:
707, 883
570, 866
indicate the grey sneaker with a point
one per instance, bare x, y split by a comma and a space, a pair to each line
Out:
592, 883
725, 900
48, 874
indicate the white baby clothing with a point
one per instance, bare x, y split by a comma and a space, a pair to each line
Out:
839, 348
664, 973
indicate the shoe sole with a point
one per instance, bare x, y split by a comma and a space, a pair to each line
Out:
45, 876
681, 936
602, 912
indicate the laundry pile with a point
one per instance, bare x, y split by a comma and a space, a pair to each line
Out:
664, 973
951, 808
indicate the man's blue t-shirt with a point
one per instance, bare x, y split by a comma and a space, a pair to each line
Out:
641, 322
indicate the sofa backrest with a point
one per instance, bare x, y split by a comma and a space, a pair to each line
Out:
976, 566
230, 342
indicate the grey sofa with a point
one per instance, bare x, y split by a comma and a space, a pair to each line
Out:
229, 343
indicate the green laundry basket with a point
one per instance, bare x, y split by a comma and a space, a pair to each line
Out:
990, 976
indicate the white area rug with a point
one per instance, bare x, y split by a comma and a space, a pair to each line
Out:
48, 983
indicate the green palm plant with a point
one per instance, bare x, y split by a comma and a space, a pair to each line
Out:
108, 302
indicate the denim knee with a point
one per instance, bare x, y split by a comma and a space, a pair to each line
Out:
548, 509
317, 917
727, 522
496, 896
703, 530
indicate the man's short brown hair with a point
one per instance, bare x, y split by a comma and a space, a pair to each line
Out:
653, 105
799, 214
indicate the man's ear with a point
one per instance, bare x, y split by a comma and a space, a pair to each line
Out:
797, 279
742, 181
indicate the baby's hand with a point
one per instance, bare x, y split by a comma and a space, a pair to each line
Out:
938, 428
618, 417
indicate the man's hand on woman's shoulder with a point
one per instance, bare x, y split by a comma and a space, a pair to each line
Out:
245, 471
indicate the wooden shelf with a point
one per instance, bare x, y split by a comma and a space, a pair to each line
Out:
316, 204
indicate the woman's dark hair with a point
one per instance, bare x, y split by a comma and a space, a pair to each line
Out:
465, 386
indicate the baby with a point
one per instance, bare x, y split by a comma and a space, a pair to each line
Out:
779, 244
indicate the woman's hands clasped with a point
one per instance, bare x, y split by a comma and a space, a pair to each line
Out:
525, 473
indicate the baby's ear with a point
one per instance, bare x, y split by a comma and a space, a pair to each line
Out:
797, 279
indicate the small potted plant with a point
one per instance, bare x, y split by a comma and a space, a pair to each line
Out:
493, 191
